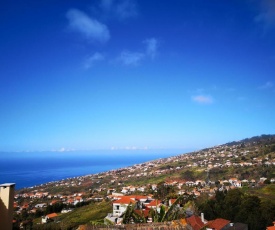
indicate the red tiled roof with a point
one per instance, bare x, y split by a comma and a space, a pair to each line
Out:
124, 200
26, 205
173, 201
144, 213
195, 222
52, 215
138, 197
183, 222
154, 203
70, 201
218, 224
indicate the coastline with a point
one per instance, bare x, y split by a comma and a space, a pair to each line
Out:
34, 169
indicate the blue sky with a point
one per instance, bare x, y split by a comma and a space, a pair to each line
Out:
129, 74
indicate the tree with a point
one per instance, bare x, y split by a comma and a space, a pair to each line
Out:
173, 211
267, 209
130, 215
232, 203
163, 190
250, 213
164, 214
188, 175
209, 209
239, 207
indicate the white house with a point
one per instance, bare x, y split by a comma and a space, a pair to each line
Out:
43, 205
125, 190
120, 205
48, 218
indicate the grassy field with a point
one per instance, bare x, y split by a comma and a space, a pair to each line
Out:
265, 193
93, 213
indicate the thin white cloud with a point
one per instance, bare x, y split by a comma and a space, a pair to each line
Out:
130, 58
267, 14
267, 85
134, 58
92, 29
89, 62
63, 149
121, 9
129, 148
152, 45
203, 99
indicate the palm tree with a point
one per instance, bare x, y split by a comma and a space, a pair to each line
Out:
173, 211
164, 214
130, 216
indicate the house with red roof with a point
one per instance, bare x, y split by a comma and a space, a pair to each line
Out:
144, 213
120, 205
70, 201
218, 224
195, 223
54, 202
25, 206
142, 199
154, 204
171, 201
271, 227
48, 218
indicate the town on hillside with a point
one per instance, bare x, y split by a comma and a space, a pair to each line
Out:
230, 186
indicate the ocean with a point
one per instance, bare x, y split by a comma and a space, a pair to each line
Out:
27, 169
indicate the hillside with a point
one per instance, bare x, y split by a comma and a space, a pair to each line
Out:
248, 164
251, 158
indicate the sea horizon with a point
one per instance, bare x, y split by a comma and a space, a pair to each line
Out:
29, 169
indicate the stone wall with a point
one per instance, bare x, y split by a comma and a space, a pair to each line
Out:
175, 225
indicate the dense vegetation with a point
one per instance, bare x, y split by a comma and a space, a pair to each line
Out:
237, 206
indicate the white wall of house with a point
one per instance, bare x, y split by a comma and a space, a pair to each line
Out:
44, 219
119, 209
